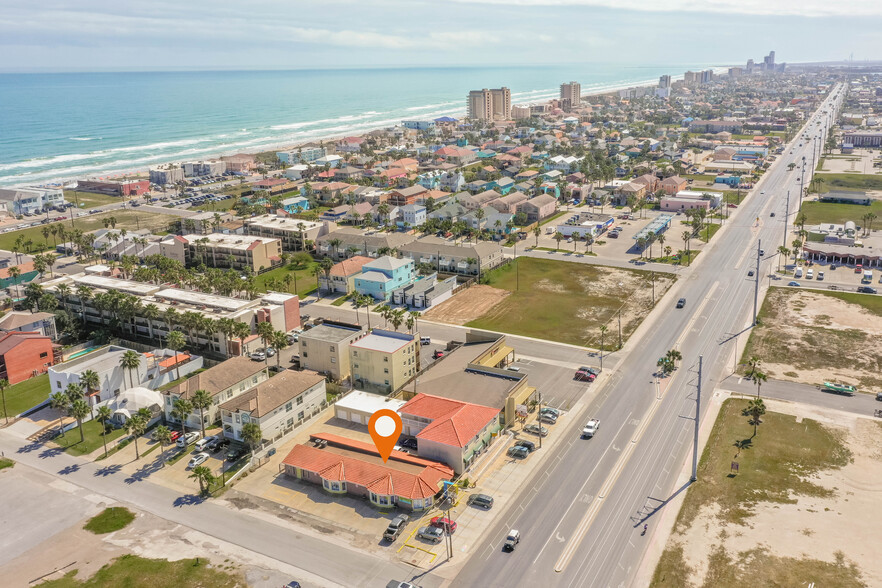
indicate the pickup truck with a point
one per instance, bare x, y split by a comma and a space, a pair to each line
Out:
590, 428
396, 526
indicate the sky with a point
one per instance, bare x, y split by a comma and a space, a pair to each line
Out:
100, 35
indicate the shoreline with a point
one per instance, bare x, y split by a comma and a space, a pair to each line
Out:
120, 172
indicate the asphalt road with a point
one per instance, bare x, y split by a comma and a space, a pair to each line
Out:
863, 404
581, 517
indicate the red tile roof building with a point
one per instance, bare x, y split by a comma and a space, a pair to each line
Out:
457, 430
347, 466
24, 355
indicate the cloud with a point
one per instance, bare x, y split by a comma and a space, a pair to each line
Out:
809, 8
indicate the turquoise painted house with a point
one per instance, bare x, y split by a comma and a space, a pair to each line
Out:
295, 204
381, 277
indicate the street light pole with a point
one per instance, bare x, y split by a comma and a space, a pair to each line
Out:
697, 414
620, 328
756, 281
786, 214
539, 418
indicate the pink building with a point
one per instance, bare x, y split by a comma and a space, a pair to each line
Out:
674, 204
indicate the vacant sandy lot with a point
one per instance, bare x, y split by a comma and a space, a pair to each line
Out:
467, 305
813, 337
810, 528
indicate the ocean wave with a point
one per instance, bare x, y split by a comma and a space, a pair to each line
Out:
84, 138
428, 106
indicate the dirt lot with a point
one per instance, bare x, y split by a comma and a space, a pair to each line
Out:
805, 336
467, 305
830, 536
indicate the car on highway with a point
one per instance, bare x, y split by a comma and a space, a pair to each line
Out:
444, 524
750, 273
866, 290
681, 303
198, 459
511, 540
481, 500
431, 534
190, 437
590, 428
528, 445
772, 214
536, 430
794, 284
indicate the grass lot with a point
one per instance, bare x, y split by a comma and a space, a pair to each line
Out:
775, 466
125, 219
553, 217
5, 462
305, 278
568, 302
89, 199
700, 178
91, 435
707, 233
834, 212
110, 520
851, 181
25, 395
137, 572
578, 251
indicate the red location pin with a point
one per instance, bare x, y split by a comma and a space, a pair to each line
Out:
385, 427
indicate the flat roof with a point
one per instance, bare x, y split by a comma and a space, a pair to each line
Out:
281, 223
108, 283
367, 402
201, 298
330, 333
384, 343
229, 241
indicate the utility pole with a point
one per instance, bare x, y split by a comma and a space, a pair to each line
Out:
786, 214
620, 328
802, 181
517, 268
539, 417
653, 286
756, 281
697, 414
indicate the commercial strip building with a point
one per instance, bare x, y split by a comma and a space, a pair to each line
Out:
862, 138
584, 224
223, 382
383, 361
280, 309
325, 348
658, 225
292, 233
346, 466
112, 188
276, 405
219, 250
31, 200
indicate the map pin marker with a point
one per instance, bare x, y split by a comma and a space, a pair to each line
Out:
385, 427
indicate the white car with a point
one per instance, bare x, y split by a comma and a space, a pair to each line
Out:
590, 428
198, 459
200, 445
190, 437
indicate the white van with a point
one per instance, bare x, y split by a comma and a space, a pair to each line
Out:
425, 340
797, 273
809, 274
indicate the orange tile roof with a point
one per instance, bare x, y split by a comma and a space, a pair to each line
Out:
181, 358
25, 267
376, 477
349, 267
453, 422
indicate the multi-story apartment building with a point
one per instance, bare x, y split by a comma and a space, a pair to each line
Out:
86, 295
492, 104
382, 276
104, 362
276, 405
25, 355
325, 348
570, 94
362, 243
167, 174
223, 382
30, 322
466, 259
418, 125
384, 361
31, 200
301, 155
292, 233
213, 167
219, 250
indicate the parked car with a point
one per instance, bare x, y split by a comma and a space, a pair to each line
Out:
481, 500
547, 417
175, 436
536, 430
396, 526
590, 370
528, 445
584, 376
590, 428
197, 459
190, 437
552, 411
292, 338
445, 524
438, 354
681, 303
235, 453
820, 275
425, 340
408, 443
258, 356
202, 443
270, 352
518, 452
432, 534
750, 273
511, 540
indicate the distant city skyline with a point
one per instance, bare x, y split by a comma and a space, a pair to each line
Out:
98, 35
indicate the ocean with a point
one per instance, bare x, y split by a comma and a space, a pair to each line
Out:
61, 126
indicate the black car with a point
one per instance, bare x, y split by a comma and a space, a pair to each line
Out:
528, 445
409, 443
235, 453
750, 273
681, 303
866, 290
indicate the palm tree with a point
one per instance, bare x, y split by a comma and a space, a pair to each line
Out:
201, 400
536, 232
687, 235
4, 384
759, 378
397, 317
280, 341
756, 408
176, 342
204, 476
130, 361
412, 321
252, 435
181, 410
150, 313
91, 381
753, 364
59, 401
674, 356
163, 435
558, 236
79, 410
102, 417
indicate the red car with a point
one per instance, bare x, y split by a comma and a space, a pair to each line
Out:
438, 354
444, 523
584, 376
175, 435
